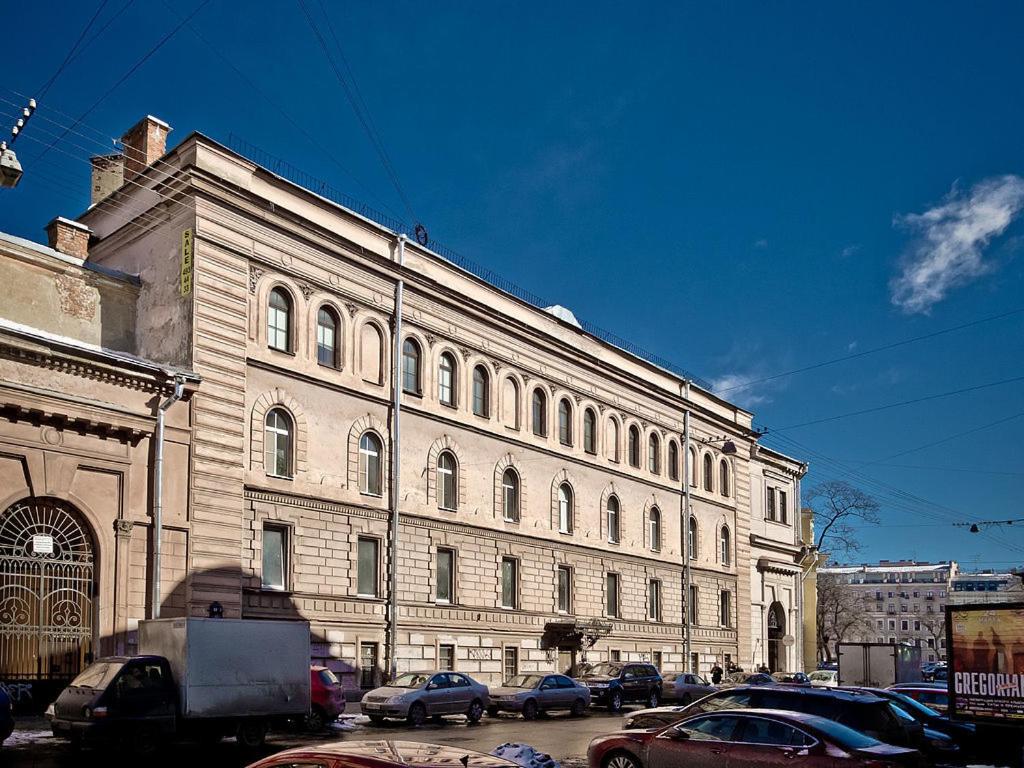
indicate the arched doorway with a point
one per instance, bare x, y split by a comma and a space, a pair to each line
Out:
776, 631
46, 591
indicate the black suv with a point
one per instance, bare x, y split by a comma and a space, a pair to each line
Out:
864, 712
614, 683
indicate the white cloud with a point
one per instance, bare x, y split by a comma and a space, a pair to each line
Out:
741, 388
851, 346
950, 239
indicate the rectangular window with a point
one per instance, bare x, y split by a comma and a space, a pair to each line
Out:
654, 600
446, 658
615, 655
783, 507
445, 591
509, 582
612, 595
564, 589
879, 623
917, 626
694, 606
892, 624
510, 666
368, 665
770, 503
725, 609
275, 556
368, 568
656, 659
904, 625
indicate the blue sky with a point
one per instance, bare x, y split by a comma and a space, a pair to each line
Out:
744, 189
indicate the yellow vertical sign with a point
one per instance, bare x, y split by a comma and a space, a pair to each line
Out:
187, 247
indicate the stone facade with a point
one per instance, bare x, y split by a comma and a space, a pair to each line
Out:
287, 513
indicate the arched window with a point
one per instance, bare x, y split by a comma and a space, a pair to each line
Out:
446, 380
726, 546
370, 464
327, 338
481, 392
589, 431
709, 472
611, 440
613, 521
277, 442
510, 404
540, 412
279, 320
654, 529
564, 508
691, 541
654, 454
634, 446
723, 477
510, 496
411, 367
692, 470
673, 460
447, 481
564, 422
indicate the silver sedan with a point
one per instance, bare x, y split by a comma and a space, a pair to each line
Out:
684, 687
532, 694
415, 696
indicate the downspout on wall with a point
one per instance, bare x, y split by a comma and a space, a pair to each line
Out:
396, 466
158, 491
684, 535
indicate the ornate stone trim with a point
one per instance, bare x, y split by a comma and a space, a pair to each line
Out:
255, 273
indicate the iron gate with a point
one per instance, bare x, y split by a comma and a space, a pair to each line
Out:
46, 591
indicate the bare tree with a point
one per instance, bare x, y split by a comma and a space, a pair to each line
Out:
935, 625
841, 615
838, 509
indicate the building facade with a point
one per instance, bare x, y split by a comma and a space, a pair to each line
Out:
986, 587
903, 601
536, 471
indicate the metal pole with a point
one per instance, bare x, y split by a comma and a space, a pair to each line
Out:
158, 492
687, 469
396, 469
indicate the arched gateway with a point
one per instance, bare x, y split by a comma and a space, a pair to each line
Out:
776, 631
46, 591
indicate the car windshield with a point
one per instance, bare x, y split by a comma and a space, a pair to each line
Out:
328, 678
845, 737
605, 668
524, 681
410, 680
99, 675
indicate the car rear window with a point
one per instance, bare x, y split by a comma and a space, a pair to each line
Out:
824, 706
843, 736
875, 720
714, 703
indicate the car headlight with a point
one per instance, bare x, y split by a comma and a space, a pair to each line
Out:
395, 699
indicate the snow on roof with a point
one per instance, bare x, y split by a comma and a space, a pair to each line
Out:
887, 568
564, 314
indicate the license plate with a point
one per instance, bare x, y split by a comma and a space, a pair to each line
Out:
373, 706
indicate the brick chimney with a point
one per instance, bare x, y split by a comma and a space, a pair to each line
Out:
144, 144
69, 237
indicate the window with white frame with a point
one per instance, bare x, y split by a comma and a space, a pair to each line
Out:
370, 464
446, 380
277, 443
613, 521
411, 367
726, 546
481, 392
564, 585
444, 590
447, 481
510, 496
565, 508
654, 600
368, 581
275, 556
279, 320
654, 454
654, 529
327, 338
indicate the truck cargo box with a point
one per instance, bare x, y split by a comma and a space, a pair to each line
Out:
233, 667
878, 665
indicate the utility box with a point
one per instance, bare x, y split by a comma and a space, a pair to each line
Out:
878, 665
232, 667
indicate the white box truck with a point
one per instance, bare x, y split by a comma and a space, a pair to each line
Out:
192, 678
878, 665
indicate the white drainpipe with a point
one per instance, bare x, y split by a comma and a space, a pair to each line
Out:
396, 468
158, 491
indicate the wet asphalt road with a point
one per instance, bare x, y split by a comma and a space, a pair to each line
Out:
565, 738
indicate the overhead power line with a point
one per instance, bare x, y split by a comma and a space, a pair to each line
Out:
942, 440
44, 89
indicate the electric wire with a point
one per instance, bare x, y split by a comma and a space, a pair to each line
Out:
45, 88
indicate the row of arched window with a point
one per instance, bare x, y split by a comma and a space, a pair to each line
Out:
279, 443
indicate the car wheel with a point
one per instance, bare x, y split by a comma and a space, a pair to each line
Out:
492, 711
417, 714
251, 734
579, 708
316, 720
620, 760
530, 710
614, 701
376, 719
476, 711
652, 699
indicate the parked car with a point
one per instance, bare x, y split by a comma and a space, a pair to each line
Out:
833, 665
962, 734
6, 717
933, 668
415, 696
326, 698
614, 683
863, 712
934, 695
381, 754
824, 678
747, 738
684, 687
530, 695
791, 678
746, 678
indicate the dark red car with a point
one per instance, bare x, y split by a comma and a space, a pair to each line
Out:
747, 738
326, 698
381, 754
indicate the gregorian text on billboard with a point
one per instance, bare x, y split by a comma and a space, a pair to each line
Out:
986, 662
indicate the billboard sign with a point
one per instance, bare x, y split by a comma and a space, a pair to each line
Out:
986, 662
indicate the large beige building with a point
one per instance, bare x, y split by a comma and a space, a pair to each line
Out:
536, 470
